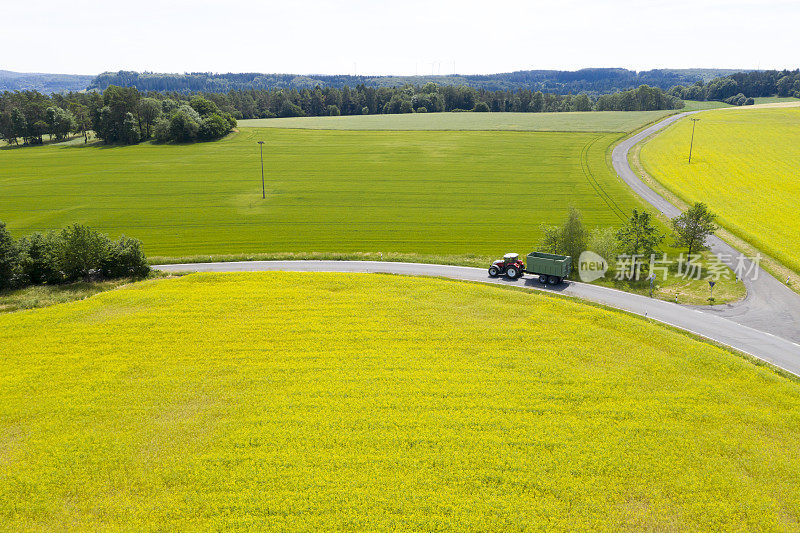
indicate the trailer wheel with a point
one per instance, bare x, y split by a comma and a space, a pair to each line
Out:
494, 271
512, 272
542, 279
554, 280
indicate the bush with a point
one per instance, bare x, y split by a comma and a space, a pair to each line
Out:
125, 258
333, 111
39, 263
76, 252
80, 252
422, 109
183, 126
481, 107
213, 127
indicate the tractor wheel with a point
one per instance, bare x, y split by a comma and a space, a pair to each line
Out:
542, 279
494, 271
512, 272
553, 280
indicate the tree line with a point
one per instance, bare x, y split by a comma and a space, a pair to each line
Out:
118, 115
125, 115
74, 253
739, 87
637, 238
593, 81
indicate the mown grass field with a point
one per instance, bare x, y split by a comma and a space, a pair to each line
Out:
744, 166
606, 121
427, 192
271, 400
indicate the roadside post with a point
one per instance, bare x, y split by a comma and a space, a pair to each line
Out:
691, 143
711, 284
263, 190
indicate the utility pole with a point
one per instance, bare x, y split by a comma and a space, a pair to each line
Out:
263, 190
691, 144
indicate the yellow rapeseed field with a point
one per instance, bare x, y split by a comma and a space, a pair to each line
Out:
745, 167
299, 401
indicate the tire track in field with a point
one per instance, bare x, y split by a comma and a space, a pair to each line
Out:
592, 179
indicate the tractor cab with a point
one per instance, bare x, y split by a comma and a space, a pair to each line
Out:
510, 265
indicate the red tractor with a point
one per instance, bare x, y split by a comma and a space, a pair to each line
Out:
510, 265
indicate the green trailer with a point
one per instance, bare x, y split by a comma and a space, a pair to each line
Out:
550, 268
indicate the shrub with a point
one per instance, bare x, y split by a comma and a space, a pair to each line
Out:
124, 258
39, 262
213, 127
333, 111
80, 252
481, 107
183, 126
422, 109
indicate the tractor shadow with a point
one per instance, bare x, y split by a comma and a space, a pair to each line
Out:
532, 283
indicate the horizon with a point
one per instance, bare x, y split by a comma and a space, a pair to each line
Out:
423, 75
373, 39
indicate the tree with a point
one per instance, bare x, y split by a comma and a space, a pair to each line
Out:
130, 130
573, 236
149, 112
203, 106
568, 239
9, 258
184, 125
213, 127
80, 251
124, 258
39, 263
551, 237
603, 241
639, 236
582, 103
693, 226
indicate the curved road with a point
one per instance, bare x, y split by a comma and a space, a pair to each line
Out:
770, 305
766, 324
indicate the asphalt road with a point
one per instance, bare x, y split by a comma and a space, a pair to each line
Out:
766, 324
778, 351
770, 305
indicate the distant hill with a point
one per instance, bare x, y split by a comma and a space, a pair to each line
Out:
44, 83
593, 80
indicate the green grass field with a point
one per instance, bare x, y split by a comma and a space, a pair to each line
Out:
429, 192
606, 121
744, 167
271, 401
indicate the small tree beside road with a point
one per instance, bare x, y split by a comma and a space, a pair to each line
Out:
639, 237
693, 227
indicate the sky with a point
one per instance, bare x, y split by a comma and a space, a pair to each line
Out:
403, 38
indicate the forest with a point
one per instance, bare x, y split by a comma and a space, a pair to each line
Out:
125, 115
737, 88
593, 81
